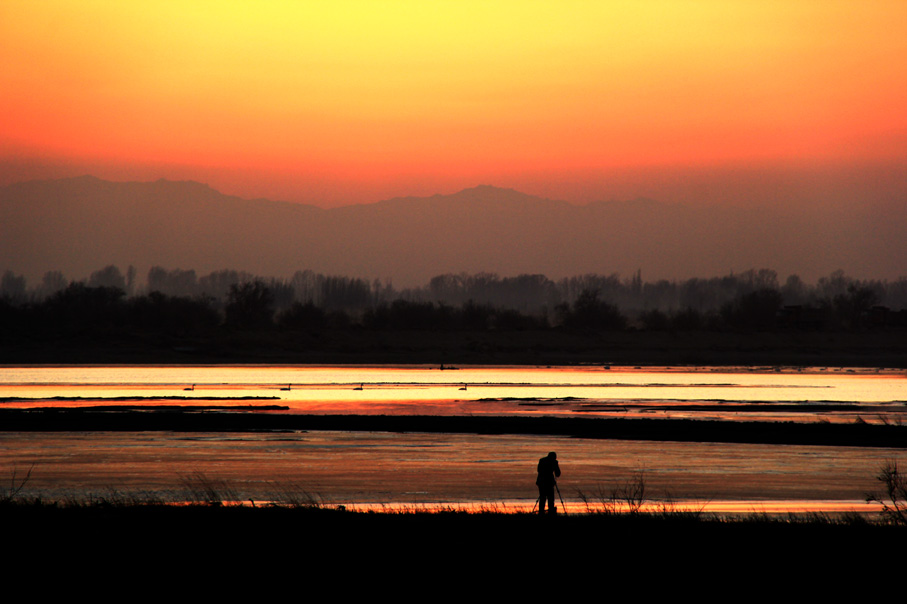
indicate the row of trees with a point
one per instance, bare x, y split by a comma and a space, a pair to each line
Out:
81, 310
527, 294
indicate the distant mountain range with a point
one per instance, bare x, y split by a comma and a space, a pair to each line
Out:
79, 225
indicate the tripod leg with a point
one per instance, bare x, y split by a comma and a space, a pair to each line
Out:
563, 505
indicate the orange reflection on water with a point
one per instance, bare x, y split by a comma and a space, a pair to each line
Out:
438, 470
731, 394
716, 508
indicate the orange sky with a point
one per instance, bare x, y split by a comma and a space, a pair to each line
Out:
346, 101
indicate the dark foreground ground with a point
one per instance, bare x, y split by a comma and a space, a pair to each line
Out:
222, 549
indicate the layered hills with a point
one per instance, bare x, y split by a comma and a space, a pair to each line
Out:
78, 225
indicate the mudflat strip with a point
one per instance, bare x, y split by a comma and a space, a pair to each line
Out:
255, 419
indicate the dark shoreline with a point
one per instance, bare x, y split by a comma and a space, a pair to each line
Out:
187, 420
884, 349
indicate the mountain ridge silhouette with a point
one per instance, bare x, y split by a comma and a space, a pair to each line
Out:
78, 225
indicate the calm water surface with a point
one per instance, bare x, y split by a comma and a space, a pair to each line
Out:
418, 469
818, 394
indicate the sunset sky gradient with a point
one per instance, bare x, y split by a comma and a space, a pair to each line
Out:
350, 101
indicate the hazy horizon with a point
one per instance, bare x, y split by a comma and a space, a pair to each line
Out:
880, 185
80, 225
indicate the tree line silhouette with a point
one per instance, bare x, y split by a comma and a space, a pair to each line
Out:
180, 303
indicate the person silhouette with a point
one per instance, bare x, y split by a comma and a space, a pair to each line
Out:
549, 471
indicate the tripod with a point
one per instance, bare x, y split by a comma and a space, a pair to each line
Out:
539, 499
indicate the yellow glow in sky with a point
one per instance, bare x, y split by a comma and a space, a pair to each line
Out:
360, 90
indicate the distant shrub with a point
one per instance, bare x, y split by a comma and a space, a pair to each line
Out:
302, 316
590, 313
250, 305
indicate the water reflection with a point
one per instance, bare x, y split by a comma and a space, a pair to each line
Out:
375, 469
441, 470
735, 394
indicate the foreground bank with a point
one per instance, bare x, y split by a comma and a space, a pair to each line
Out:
330, 536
